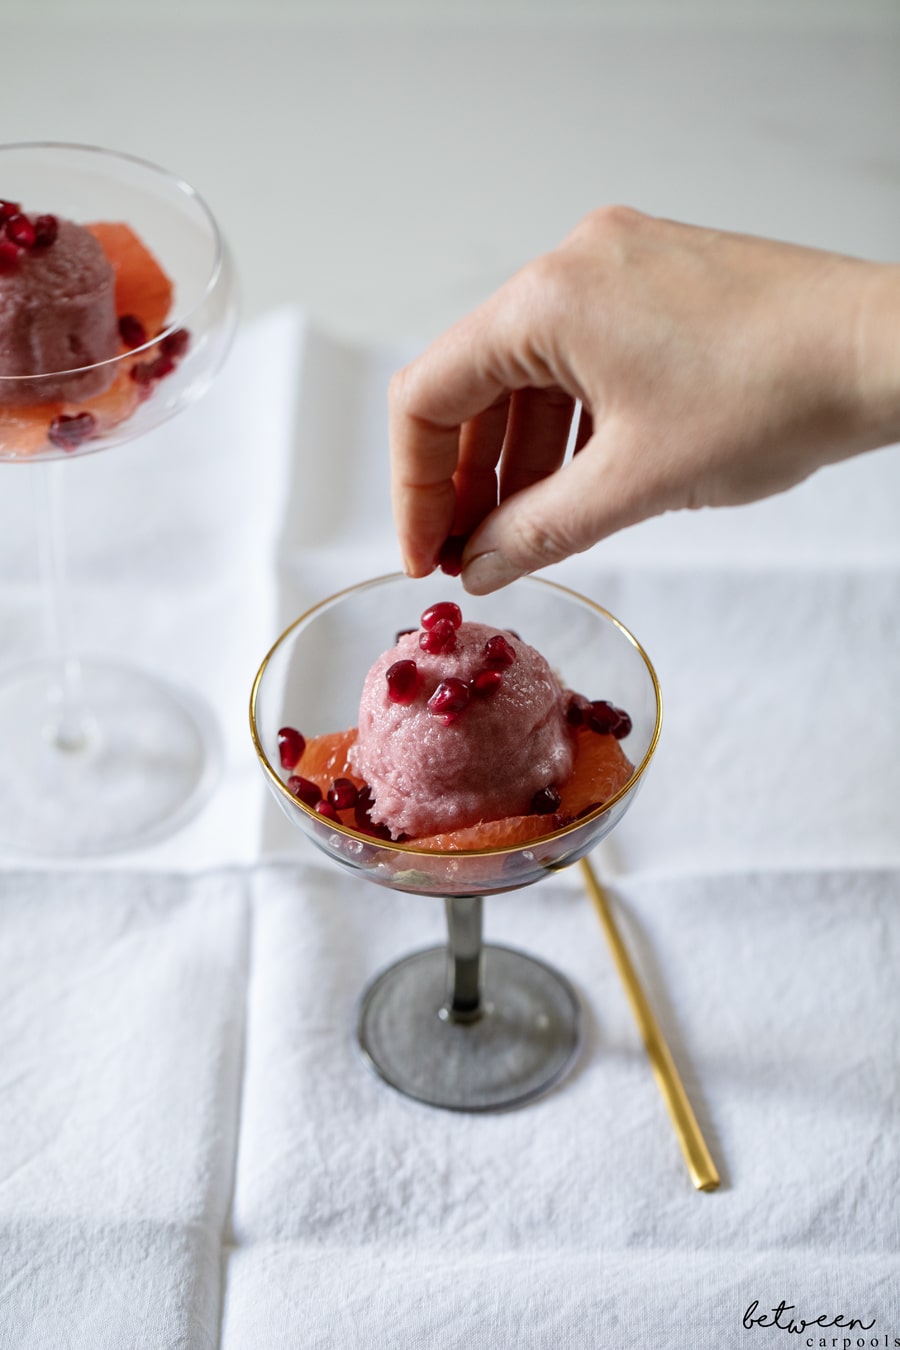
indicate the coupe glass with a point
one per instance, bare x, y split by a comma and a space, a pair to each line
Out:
97, 756
469, 1026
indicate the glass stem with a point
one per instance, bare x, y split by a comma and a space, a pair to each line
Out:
67, 716
464, 958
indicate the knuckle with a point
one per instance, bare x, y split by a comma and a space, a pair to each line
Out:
613, 223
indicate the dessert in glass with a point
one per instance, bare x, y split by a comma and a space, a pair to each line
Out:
494, 740
117, 308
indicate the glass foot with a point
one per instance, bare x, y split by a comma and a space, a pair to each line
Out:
129, 763
522, 1041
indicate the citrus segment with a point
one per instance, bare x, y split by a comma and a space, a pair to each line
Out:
601, 769
142, 287
24, 429
326, 758
504, 833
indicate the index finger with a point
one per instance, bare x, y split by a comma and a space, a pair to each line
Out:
429, 400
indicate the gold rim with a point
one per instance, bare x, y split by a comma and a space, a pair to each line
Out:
410, 850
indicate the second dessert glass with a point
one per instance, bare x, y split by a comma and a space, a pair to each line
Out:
467, 1027
95, 755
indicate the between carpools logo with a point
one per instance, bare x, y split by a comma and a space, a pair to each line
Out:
856, 1332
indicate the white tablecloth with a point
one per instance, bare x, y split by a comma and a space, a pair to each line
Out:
192, 1155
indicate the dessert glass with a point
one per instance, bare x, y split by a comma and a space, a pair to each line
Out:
469, 1026
97, 756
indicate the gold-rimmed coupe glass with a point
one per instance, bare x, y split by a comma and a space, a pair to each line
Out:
95, 755
466, 1026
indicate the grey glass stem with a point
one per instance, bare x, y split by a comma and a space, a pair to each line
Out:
464, 958
67, 715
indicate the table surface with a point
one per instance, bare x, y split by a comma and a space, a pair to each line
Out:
190, 1153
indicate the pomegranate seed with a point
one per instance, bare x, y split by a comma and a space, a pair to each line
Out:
403, 681
443, 610
449, 558
20, 230
46, 228
10, 254
148, 372
132, 331
608, 720
486, 682
441, 638
450, 697
364, 822
624, 726
577, 710
545, 801
291, 744
8, 209
69, 430
304, 790
175, 344
498, 653
343, 794
324, 808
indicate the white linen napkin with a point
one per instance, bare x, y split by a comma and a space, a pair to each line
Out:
361, 1217
121, 1036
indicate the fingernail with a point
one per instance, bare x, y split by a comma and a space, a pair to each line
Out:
488, 572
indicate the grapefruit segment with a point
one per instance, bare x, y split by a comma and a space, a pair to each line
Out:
142, 287
326, 758
601, 769
24, 429
505, 833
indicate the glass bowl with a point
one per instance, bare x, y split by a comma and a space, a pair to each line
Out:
86, 184
311, 679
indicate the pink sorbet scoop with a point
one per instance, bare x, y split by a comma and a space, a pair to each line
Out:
459, 723
57, 313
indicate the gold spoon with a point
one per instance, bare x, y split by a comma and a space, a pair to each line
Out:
690, 1137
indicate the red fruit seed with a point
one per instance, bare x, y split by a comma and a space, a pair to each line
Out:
438, 639
20, 230
175, 344
450, 697
8, 209
304, 790
291, 744
10, 254
70, 430
403, 681
449, 558
577, 710
486, 683
545, 801
443, 610
498, 653
46, 228
132, 331
608, 720
324, 808
343, 794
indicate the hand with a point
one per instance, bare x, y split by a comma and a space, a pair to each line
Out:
712, 369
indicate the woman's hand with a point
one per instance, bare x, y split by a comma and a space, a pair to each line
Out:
712, 369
